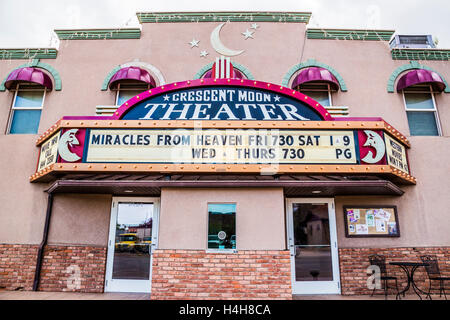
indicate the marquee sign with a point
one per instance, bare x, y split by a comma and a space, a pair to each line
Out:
227, 146
222, 125
222, 103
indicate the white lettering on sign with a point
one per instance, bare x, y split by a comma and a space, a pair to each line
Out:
253, 146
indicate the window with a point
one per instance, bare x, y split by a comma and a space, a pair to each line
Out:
421, 111
26, 109
320, 91
222, 226
128, 90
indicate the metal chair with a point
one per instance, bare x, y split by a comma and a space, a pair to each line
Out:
434, 274
380, 261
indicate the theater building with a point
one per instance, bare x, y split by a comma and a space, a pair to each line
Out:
221, 156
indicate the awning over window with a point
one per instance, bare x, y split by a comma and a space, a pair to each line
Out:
420, 76
30, 75
315, 74
132, 73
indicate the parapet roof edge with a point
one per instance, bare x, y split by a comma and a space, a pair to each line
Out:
99, 33
350, 29
28, 53
213, 16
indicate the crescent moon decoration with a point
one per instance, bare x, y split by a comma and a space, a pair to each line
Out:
68, 138
219, 46
375, 141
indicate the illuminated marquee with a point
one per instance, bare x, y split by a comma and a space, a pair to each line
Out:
222, 103
223, 125
221, 146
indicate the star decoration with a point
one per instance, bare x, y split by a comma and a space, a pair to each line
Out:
203, 53
248, 34
194, 43
254, 26
166, 97
277, 98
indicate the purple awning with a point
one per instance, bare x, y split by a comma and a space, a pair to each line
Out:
28, 74
315, 74
420, 76
132, 73
236, 74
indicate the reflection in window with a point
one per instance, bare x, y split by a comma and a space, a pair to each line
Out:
127, 90
133, 241
221, 226
313, 260
421, 111
319, 91
26, 109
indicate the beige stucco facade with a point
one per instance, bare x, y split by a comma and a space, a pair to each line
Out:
83, 65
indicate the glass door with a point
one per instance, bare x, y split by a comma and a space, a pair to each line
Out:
313, 246
132, 238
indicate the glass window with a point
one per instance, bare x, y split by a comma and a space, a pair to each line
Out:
222, 226
321, 92
26, 109
126, 91
421, 111
132, 247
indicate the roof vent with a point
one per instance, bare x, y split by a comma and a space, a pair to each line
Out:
412, 41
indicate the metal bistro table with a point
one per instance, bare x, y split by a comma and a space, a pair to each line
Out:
410, 268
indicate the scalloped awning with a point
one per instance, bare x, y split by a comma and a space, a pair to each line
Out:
421, 76
132, 73
316, 74
30, 75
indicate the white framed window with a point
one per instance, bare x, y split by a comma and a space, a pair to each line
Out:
26, 109
421, 111
221, 227
319, 91
127, 90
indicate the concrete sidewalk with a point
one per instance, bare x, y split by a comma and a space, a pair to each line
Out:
40, 295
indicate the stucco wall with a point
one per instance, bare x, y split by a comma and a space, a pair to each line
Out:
259, 217
80, 219
83, 65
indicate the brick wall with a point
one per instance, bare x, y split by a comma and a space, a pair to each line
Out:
17, 266
63, 264
195, 274
354, 262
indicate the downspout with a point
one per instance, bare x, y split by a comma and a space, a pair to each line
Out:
37, 273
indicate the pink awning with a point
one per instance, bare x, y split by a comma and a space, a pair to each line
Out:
28, 74
420, 76
132, 73
316, 74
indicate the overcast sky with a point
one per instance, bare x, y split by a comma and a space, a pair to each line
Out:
29, 23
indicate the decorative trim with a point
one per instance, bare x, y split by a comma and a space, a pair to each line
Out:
98, 34
236, 65
28, 53
313, 63
155, 17
114, 123
421, 54
45, 175
36, 63
350, 34
105, 110
153, 70
410, 66
337, 111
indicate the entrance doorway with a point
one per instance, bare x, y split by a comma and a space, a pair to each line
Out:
133, 236
312, 242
